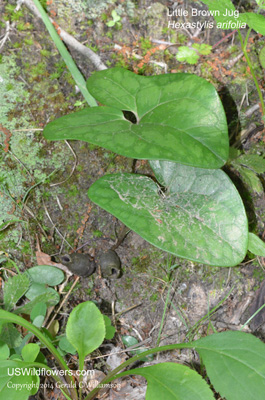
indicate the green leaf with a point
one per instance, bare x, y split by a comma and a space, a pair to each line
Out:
85, 329
201, 217
261, 4
50, 298
250, 178
203, 48
35, 290
110, 330
219, 8
14, 289
30, 352
254, 21
262, 57
187, 54
235, 364
10, 335
38, 321
253, 161
4, 350
17, 387
38, 309
110, 23
131, 341
256, 245
172, 381
66, 346
179, 117
46, 274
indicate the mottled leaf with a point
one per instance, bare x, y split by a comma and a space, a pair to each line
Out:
200, 217
178, 117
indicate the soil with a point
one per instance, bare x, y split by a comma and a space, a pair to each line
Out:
58, 212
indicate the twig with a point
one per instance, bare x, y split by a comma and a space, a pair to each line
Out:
162, 42
62, 303
235, 60
6, 36
70, 40
135, 346
53, 225
251, 110
127, 310
224, 38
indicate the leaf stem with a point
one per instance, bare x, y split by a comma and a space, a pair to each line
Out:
10, 317
76, 74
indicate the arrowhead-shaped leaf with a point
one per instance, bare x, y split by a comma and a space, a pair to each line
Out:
200, 217
179, 117
235, 364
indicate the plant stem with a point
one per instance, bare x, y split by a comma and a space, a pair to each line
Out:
244, 49
164, 314
10, 317
76, 74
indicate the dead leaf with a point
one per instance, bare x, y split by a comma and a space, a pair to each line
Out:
45, 259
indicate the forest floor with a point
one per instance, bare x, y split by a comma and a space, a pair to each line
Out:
44, 184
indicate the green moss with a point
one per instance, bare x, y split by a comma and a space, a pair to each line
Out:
97, 234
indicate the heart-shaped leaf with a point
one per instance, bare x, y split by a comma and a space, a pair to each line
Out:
200, 217
235, 364
172, 381
178, 117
